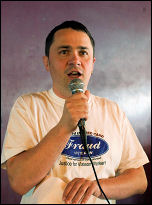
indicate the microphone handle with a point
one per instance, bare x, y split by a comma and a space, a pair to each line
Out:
81, 122
81, 125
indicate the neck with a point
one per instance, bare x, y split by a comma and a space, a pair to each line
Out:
62, 94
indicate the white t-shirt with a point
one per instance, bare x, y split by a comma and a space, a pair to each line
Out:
112, 142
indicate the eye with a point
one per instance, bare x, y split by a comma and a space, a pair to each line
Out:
83, 53
63, 52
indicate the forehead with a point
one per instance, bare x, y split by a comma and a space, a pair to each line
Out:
71, 37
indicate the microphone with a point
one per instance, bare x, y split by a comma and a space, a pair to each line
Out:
76, 85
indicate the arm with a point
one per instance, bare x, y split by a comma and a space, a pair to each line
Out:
28, 168
130, 182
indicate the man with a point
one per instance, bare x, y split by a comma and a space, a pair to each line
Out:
43, 152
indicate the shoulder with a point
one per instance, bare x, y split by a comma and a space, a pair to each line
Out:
104, 101
106, 104
32, 98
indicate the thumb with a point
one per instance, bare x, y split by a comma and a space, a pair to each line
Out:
87, 93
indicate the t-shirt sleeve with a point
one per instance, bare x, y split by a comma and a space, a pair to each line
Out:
20, 134
133, 154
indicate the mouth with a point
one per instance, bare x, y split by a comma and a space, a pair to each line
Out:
74, 74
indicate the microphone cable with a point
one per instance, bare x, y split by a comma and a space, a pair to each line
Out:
76, 85
81, 125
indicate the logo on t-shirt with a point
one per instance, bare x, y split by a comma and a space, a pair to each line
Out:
75, 149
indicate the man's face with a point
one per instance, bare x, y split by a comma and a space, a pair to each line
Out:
70, 56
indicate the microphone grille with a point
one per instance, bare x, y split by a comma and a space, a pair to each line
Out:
76, 85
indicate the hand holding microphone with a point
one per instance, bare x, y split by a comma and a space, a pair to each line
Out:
76, 106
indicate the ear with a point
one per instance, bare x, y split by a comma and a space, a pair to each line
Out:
46, 63
94, 59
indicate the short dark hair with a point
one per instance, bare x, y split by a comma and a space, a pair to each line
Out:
67, 24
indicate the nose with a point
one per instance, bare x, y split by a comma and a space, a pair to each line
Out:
74, 60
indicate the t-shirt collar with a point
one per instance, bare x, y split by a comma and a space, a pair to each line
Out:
56, 98
59, 100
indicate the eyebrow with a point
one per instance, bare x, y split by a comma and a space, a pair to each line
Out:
83, 47
60, 47
67, 47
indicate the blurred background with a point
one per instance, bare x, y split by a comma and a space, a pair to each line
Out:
122, 72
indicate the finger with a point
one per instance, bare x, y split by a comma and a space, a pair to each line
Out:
87, 93
78, 102
87, 195
79, 195
81, 192
73, 192
77, 106
68, 188
79, 96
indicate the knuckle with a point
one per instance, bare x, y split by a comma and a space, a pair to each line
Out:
82, 179
68, 105
84, 100
86, 107
77, 185
76, 179
86, 184
81, 94
93, 184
